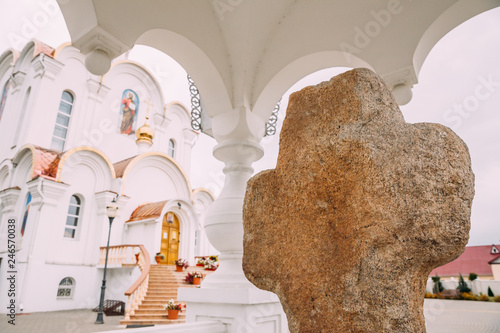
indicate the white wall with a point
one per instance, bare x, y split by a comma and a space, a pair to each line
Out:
478, 286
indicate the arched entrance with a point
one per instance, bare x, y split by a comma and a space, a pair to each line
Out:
170, 232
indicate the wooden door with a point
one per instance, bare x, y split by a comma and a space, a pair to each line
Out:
170, 239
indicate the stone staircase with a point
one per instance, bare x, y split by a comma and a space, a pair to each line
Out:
163, 284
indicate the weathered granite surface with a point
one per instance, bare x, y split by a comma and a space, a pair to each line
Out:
360, 208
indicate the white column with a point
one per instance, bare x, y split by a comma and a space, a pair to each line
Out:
227, 295
8, 201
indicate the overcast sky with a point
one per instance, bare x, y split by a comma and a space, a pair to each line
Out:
459, 86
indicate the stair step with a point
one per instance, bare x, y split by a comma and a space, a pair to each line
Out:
153, 322
153, 316
163, 284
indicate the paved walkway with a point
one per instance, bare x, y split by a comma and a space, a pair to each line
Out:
72, 321
441, 316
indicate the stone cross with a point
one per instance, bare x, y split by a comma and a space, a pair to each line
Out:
359, 210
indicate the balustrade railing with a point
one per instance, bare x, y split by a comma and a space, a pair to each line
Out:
130, 255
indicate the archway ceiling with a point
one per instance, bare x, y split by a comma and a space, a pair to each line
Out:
249, 52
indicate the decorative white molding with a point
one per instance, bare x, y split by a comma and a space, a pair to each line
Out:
17, 79
46, 191
400, 82
97, 90
98, 38
8, 199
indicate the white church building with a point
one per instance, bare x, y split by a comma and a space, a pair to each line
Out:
71, 142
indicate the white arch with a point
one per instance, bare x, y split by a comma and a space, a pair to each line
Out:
66, 51
4, 175
30, 50
162, 162
127, 67
95, 160
210, 82
455, 15
271, 91
24, 165
7, 62
180, 110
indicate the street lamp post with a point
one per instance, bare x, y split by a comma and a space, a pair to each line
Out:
111, 211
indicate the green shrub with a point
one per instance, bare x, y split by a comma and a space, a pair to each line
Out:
438, 286
462, 285
472, 276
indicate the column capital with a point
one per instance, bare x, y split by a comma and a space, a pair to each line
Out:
46, 66
104, 198
9, 198
46, 190
239, 124
17, 79
401, 82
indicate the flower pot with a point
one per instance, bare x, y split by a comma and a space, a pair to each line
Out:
173, 314
200, 265
137, 258
158, 259
178, 268
210, 269
196, 281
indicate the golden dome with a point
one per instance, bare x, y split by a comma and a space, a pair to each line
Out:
145, 133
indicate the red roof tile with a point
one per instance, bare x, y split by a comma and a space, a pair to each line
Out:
121, 166
41, 47
147, 211
46, 162
475, 259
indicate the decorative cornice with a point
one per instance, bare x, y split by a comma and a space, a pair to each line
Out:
9, 198
46, 66
98, 38
97, 90
17, 79
46, 190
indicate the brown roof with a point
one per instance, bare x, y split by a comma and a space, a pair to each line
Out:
475, 259
147, 211
41, 47
121, 166
46, 162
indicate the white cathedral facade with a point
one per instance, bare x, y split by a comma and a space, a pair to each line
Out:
71, 142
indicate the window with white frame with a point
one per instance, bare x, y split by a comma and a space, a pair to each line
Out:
62, 121
74, 212
171, 148
65, 289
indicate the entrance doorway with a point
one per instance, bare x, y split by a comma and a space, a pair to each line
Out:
170, 239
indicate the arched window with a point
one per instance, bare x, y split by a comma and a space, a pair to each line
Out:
26, 212
171, 148
65, 289
73, 217
62, 121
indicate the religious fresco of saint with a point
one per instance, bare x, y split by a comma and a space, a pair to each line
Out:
27, 206
129, 110
5, 90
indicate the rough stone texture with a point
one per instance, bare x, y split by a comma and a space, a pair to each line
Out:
360, 208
